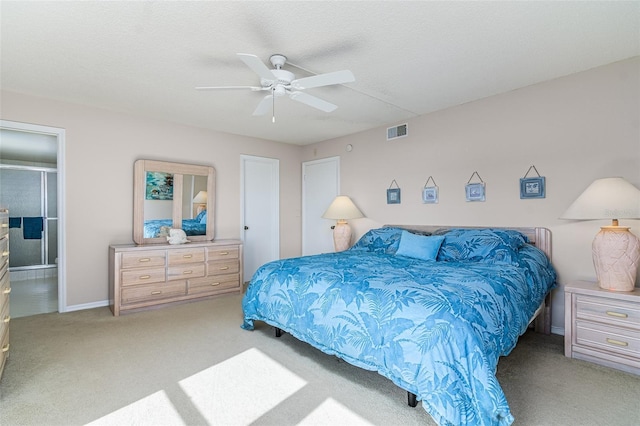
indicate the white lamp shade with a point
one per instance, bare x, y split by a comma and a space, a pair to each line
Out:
200, 198
607, 198
342, 208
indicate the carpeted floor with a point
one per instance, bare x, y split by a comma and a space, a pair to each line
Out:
192, 364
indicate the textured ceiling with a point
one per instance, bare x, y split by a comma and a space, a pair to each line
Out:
409, 58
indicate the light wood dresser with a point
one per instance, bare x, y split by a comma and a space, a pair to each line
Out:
149, 276
5, 288
602, 326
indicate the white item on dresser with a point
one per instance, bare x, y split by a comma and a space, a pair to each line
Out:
602, 326
147, 276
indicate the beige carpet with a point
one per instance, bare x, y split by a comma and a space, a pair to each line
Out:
192, 364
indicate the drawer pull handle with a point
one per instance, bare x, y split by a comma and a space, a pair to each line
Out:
187, 256
224, 268
224, 253
617, 342
145, 277
616, 314
6, 319
144, 259
156, 292
7, 291
188, 272
5, 225
215, 284
6, 348
5, 253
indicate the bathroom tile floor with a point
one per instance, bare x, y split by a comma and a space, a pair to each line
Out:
34, 296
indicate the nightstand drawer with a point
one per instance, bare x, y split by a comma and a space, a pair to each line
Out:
615, 312
608, 338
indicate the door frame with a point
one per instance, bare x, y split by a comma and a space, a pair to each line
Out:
335, 159
274, 247
59, 134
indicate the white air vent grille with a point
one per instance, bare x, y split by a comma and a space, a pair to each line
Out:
397, 132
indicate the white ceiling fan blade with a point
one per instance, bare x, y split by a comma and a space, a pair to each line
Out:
254, 88
312, 101
336, 77
264, 105
256, 65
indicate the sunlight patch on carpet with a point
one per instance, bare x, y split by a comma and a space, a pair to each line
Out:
241, 389
155, 409
331, 412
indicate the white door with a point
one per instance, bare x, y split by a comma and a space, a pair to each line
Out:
260, 200
320, 185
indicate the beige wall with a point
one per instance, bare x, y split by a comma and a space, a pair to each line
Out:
101, 147
573, 129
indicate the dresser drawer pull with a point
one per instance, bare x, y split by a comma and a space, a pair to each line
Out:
145, 277
214, 284
156, 292
6, 348
187, 272
187, 256
6, 319
5, 253
616, 314
5, 225
145, 259
224, 268
617, 342
224, 253
7, 291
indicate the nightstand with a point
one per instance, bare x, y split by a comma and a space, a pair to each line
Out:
602, 326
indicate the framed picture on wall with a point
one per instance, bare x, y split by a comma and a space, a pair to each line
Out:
475, 191
533, 187
393, 196
159, 186
430, 195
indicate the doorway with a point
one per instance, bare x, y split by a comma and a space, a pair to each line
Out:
320, 185
260, 209
31, 184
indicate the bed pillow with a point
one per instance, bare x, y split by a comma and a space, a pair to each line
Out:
201, 217
419, 246
494, 246
379, 240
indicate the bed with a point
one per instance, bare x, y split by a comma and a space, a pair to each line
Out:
430, 308
195, 226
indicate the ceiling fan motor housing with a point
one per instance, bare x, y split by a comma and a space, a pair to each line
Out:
281, 78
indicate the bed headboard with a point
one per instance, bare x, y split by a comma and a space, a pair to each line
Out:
539, 237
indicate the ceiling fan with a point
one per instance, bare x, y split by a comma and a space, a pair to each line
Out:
282, 82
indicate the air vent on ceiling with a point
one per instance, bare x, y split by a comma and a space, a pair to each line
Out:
397, 132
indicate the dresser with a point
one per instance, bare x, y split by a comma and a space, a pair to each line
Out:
148, 276
5, 288
602, 326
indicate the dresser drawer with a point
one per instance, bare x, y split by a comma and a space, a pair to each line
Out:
143, 276
223, 267
223, 252
608, 338
5, 288
143, 259
182, 256
614, 312
4, 348
214, 284
5, 316
4, 251
143, 293
4, 225
184, 272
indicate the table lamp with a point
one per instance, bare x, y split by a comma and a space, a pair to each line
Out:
341, 209
616, 251
201, 201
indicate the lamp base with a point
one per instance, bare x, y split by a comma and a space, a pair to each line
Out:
341, 236
616, 256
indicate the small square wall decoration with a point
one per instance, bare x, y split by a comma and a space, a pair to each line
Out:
430, 193
532, 187
393, 194
475, 191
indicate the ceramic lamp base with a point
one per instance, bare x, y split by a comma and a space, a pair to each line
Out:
616, 256
341, 236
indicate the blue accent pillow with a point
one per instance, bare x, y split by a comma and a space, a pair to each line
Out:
494, 246
202, 217
419, 246
379, 240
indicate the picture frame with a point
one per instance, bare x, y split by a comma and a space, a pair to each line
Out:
533, 187
475, 191
430, 195
159, 186
393, 196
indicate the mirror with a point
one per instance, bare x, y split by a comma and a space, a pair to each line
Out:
172, 195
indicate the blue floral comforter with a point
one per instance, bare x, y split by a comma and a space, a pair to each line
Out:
434, 328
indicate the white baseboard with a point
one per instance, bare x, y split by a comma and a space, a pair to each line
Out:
99, 304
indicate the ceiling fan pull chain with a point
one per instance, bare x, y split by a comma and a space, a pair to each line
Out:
273, 109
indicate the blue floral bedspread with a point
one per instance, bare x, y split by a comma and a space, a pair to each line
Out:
434, 328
